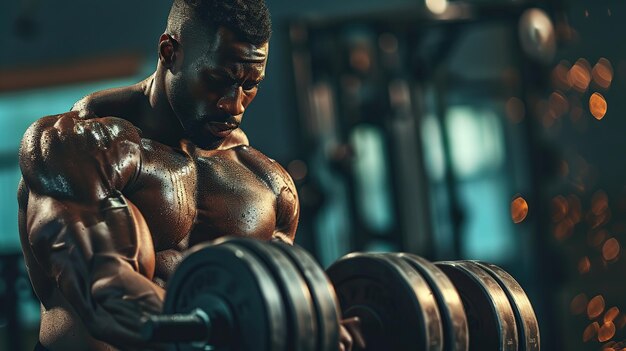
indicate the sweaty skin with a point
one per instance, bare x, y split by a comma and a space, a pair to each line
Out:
106, 214
108, 204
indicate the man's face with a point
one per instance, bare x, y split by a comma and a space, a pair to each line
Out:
213, 83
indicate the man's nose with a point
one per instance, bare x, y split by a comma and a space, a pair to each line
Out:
232, 103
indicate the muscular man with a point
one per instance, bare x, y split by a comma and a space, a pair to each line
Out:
107, 204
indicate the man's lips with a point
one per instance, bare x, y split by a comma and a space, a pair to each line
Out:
221, 129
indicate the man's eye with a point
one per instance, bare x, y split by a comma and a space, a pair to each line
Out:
219, 84
217, 80
250, 85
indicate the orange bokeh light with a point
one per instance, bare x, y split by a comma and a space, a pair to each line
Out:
590, 331
578, 304
610, 249
597, 105
297, 169
560, 74
558, 104
611, 314
599, 202
602, 73
595, 307
606, 332
519, 209
575, 208
584, 265
564, 229
560, 208
579, 76
360, 58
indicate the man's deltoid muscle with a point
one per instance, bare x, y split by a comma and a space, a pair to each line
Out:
113, 191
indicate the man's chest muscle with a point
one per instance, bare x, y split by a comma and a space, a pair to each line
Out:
204, 197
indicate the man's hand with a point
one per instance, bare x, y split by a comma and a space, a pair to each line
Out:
350, 334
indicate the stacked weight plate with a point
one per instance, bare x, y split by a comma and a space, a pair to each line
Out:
501, 314
258, 296
243, 294
408, 303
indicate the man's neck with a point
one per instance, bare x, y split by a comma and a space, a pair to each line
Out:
159, 122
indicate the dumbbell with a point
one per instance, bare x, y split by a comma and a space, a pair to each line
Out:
405, 302
241, 294
244, 294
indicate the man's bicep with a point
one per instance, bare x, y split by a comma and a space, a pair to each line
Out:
60, 229
80, 246
61, 250
92, 254
59, 232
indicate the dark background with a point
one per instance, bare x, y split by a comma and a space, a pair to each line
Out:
404, 130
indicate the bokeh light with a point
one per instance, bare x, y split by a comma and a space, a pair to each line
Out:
591, 331
437, 6
360, 58
560, 208
595, 307
611, 314
610, 249
575, 208
584, 265
559, 76
297, 169
519, 209
597, 105
602, 73
579, 76
564, 229
620, 323
599, 202
578, 304
606, 332
558, 104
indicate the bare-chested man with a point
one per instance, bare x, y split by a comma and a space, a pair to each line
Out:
107, 204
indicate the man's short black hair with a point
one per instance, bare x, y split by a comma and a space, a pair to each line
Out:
248, 19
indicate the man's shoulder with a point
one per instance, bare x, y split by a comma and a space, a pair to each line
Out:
71, 126
120, 102
58, 151
268, 169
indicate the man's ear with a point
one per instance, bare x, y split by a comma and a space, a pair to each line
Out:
168, 50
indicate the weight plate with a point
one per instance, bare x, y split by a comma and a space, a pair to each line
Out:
527, 325
455, 330
397, 308
489, 314
323, 294
221, 277
295, 292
